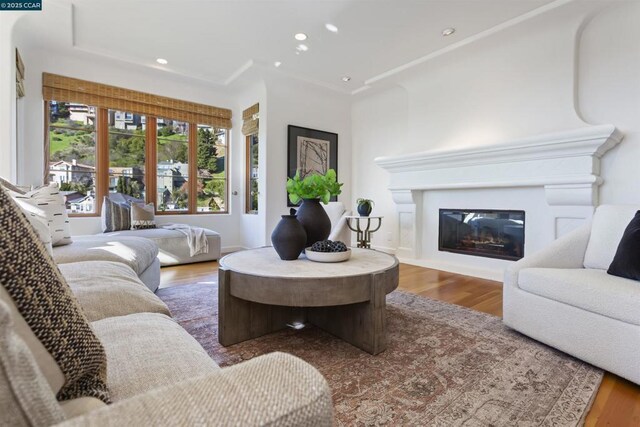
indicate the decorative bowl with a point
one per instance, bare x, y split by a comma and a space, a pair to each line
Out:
327, 256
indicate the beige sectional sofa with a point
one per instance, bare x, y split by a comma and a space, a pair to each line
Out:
158, 374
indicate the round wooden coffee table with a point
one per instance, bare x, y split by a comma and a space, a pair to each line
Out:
259, 294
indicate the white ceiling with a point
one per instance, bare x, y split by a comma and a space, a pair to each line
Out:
218, 40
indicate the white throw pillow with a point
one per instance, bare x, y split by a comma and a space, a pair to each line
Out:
609, 223
50, 201
38, 220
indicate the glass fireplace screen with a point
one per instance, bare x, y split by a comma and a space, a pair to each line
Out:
487, 233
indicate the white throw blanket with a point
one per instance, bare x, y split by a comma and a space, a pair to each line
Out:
196, 237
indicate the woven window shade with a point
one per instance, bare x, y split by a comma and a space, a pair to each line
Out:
250, 120
67, 89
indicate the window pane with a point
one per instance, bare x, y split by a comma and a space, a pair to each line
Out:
212, 169
127, 139
173, 165
252, 172
72, 153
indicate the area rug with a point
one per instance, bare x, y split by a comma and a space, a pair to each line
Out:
445, 365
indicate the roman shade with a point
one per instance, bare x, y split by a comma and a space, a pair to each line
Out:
250, 117
67, 89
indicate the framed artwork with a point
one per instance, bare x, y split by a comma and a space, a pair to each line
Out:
311, 151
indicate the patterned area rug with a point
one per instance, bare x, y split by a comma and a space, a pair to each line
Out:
444, 366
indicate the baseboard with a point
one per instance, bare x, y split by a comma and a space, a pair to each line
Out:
467, 270
229, 249
386, 249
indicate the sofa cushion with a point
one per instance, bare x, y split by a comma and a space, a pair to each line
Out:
137, 253
609, 223
26, 397
108, 289
46, 304
173, 245
334, 211
149, 350
588, 289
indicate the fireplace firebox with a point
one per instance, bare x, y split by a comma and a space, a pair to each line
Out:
480, 232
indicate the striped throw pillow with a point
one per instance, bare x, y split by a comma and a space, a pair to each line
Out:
50, 201
115, 216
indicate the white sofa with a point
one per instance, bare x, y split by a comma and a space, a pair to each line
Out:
173, 248
338, 216
563, 296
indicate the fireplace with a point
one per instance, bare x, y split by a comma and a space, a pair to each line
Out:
488, 233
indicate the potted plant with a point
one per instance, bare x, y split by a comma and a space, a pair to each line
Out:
311, 191
365, 206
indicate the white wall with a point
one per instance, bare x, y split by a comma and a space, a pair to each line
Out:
609, 92
293, 102
559, 71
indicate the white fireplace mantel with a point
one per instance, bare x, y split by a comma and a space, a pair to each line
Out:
565, 164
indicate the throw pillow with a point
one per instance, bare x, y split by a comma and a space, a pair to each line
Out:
49, 200
47, 305
38, 220
115, 216
142, 216
626, 262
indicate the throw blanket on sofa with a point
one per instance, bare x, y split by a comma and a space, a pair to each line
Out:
196, 237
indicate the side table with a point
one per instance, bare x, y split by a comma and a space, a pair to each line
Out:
363, 228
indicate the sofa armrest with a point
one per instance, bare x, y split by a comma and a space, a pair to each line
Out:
566, 252
276, 389
340, 231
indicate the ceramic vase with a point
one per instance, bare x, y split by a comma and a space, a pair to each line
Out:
315, 221
289, 238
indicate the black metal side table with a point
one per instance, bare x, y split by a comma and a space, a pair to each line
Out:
363, 228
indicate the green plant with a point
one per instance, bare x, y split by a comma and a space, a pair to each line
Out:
362, 201
316, 186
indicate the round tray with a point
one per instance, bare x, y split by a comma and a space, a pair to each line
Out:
327, 256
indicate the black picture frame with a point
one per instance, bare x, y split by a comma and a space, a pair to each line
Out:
294, 134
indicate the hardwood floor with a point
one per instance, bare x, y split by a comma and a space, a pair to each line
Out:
617, 402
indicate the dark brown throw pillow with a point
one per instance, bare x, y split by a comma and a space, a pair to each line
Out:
626, 263
48, 306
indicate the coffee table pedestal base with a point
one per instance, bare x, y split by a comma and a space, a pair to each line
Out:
361, 324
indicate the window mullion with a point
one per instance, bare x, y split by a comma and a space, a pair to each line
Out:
102, 163
151, 163
193, 168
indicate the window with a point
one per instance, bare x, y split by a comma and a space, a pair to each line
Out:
212, 169
252, 174
134, 146
72, 154
127, 154
173, 166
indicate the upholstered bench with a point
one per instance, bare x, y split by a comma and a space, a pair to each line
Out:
173, 246
138, 253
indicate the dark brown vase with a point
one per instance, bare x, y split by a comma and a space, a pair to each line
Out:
289, 238
315, 221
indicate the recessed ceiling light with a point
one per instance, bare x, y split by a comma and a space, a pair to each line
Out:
162, 61
277, 64
346, 79
448, 31
331, 28
300, 36
302, 47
